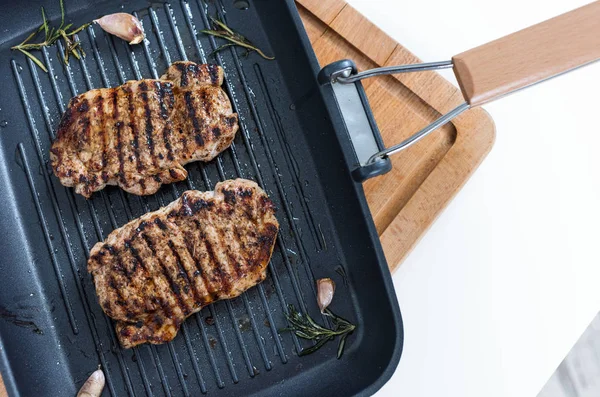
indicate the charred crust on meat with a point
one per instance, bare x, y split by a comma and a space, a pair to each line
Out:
191, 206
161, 225
122, 268
181, 269
132, 126
186, 209
166, 139
84, 106
198, 272
213, 71
136, 255
141, 227
216, 131
118, 126
149, 127
65, 122
162, 90
229, 196
218, 267
231, 121
183, 82
172, 284
192, 114
205, 102
266, 203
245, 193
99, 103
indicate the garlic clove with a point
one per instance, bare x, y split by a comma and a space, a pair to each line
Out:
122, 25
93, 385
325, 290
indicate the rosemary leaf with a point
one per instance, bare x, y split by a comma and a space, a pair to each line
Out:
341, 346
220, 48
221, 30
303, 335
314, 348
62, 15
45, 24
34, 59
222, 26
31, 36
79, 29
303, 326
262, 54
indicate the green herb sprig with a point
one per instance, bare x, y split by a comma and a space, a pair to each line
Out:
306, 328
51, 36
235, 39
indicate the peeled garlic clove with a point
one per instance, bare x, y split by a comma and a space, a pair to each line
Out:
325, 290
122, 25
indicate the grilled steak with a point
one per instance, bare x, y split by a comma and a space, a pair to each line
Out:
140, 134
159, 269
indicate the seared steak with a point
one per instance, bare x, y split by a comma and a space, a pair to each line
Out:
159, 269
140, 134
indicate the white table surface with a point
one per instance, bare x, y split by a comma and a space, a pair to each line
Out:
508, 277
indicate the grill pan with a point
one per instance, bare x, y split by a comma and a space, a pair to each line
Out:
293, 141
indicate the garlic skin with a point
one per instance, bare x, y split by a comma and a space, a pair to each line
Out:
122, 25
325, 291
93, 385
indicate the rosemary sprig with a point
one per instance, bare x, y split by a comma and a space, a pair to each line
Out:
51, 36
235, 39
306, 328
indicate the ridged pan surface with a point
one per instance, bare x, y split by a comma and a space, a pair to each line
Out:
53, 333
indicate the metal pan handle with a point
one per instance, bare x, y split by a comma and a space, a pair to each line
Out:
371, 153
357, 116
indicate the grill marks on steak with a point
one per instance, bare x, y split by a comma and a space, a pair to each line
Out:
140, 134
157, 270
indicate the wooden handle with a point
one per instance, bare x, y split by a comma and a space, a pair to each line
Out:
529, 56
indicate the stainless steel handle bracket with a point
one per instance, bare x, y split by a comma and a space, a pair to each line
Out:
358, 120
346, 75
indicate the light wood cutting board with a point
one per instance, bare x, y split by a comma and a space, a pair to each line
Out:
425, 177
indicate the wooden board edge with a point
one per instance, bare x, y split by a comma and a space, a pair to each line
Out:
3, 392
326, 11
425, 206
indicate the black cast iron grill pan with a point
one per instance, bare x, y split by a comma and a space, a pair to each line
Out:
293, 141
